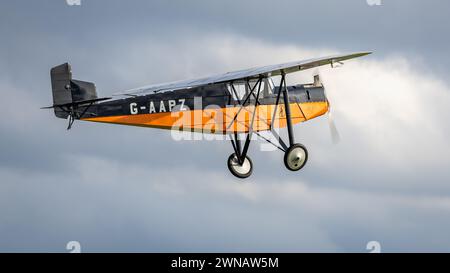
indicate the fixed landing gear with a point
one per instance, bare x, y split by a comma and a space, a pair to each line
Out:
239, 164
240, 170
295, 157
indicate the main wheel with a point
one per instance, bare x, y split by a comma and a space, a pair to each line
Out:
238, 170
295, 157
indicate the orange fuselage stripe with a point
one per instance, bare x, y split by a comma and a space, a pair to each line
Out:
218, 120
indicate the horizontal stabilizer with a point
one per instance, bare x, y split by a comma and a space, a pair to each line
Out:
77, 103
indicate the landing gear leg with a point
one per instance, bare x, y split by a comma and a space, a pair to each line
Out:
296, 156
239, 164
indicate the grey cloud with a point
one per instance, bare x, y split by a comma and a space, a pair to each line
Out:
148, 213
130, 189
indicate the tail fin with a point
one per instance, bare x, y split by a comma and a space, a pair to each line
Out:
69, 92
71, 98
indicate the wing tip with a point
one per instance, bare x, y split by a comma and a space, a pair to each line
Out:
364, 53
356, 55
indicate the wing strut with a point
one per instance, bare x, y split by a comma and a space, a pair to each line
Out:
282, 88
236, 142
258, 83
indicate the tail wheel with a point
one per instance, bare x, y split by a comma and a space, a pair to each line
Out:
295, 157
243, 170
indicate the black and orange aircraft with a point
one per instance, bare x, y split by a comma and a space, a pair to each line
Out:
237, 104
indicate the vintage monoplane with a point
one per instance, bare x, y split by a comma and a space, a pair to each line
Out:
237, 104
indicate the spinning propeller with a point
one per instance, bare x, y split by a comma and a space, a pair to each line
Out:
335, 137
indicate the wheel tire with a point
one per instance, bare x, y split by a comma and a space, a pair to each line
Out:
240, 171
295, 157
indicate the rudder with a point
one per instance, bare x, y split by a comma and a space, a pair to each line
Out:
69, 92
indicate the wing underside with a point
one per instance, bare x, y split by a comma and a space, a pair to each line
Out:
265, 71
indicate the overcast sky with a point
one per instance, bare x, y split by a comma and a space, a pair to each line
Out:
115, 188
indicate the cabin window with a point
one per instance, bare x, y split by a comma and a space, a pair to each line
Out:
267, 87
270, 87
237, 90
240, 90
254, 85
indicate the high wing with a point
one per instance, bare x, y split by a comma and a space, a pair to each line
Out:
265, 71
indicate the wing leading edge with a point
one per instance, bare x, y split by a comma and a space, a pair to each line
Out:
265, 71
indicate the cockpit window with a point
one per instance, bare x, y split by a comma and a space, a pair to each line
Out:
240, 90
270, 86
